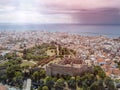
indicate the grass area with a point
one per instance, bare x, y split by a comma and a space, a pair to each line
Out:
1, 65
39, 52
51, 52
79, 88
27, 63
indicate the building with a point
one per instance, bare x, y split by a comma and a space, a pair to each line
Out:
101, 61
70, 67
3, 87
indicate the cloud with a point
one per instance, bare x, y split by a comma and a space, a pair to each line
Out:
33, 17
80, 4
87, 11
60, 11
6, 8
98, 16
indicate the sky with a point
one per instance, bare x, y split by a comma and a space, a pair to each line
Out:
60, 11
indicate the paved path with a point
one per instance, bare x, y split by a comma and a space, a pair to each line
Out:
28, 85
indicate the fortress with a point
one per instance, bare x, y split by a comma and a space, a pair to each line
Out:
68, 67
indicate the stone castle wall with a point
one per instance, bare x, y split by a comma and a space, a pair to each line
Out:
55, 69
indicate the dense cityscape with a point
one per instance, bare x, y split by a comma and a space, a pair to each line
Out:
41, 60
59, 44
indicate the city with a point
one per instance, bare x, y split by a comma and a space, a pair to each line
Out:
59, 44
41, 60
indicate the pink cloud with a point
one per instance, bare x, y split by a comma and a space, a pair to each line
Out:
86, 4
74, 11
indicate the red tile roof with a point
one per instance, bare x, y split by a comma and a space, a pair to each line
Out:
116, 71
100, 60
108, 73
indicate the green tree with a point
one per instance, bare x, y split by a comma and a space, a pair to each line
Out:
60, 84
84, 85
98, 70
109, 83
79, 81
39, 88
49, 82
18, 76
11, 70
35, 76
42, 73
95, 86
72, 83
19, 60
45, 88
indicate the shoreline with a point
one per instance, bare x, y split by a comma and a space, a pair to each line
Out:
91, 34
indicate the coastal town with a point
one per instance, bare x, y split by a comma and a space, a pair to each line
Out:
57, 54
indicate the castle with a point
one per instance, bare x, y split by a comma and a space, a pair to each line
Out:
68, 67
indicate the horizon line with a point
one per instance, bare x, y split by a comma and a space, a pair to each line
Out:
53, 24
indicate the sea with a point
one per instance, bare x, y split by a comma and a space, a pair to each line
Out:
112, 31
